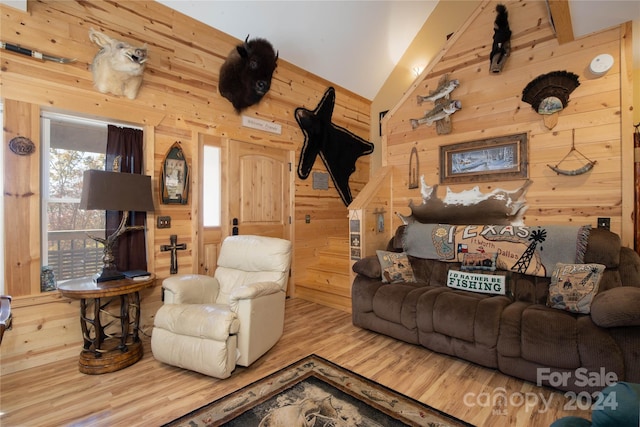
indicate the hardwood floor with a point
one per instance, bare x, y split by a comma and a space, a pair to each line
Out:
150, 393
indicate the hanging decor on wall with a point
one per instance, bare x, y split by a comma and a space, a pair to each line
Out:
579, 171
549, 93
501, 40
22, 146
492, 159
117, 67
499, 207
174, 247
174, 173
337, 147
34, 54
414, 169
443, 106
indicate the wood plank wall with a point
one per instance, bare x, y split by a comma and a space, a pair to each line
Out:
599, 111
178, 101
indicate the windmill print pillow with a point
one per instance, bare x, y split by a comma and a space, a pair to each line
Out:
573, 286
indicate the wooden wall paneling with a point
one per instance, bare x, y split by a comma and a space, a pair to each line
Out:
492, 106
178, 100
22, 200
627, 143
44, 329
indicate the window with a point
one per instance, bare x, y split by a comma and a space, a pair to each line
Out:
69, 147
211, 186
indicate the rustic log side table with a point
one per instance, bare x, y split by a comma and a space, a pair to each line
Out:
111, 340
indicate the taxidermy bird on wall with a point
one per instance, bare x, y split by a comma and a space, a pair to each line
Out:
501, 40
549, 93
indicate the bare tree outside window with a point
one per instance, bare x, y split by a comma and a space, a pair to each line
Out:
71, 148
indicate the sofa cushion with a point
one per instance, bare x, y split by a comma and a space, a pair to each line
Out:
395, 267
368, 266
549, 337
464, 315
617, 307
389, 300
603, 247
431, 271
454, 315
573, 286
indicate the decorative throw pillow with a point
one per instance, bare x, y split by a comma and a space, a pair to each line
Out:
395, 267
479, 261
573, 286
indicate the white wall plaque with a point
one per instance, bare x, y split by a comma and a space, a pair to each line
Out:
477, 282
267, 126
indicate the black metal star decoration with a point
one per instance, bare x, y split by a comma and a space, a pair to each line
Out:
338, 148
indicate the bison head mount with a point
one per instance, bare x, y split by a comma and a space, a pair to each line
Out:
245, 77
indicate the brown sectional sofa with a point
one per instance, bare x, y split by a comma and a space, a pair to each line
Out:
516, 333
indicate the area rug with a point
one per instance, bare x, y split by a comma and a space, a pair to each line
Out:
316, 392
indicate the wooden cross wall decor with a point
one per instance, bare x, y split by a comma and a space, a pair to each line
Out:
174, 247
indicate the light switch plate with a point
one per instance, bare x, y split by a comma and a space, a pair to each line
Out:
164, 222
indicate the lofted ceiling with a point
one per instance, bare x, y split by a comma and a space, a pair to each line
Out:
354, 44
357, 43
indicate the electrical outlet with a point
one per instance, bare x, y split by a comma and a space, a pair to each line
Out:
164, 222
307, 219
604, 223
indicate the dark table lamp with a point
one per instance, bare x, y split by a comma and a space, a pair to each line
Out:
115, 191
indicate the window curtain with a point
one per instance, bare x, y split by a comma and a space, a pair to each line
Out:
636, 145
129, 250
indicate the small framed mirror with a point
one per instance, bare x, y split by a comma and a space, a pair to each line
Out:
174, 182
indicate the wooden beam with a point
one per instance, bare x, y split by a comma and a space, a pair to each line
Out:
561, 20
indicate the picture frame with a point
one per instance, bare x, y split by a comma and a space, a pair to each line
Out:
174, 174
493, 159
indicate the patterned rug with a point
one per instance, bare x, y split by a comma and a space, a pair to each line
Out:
316, 392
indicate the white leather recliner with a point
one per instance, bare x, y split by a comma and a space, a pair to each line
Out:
210, 324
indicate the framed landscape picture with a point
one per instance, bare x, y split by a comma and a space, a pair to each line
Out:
493, 159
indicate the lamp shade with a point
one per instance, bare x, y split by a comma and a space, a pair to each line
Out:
116, 191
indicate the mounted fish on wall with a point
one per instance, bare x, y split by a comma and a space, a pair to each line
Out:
117, 67
549, 93
443, 106
501, 41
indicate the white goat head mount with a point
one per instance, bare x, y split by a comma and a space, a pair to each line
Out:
117, 68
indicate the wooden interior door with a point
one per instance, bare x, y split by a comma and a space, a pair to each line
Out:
260, 192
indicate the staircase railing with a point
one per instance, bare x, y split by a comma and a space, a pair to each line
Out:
370, 216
